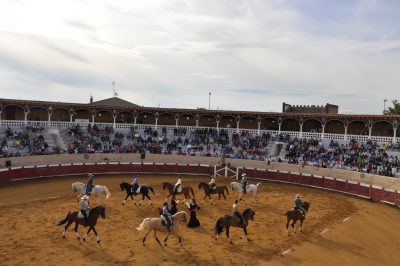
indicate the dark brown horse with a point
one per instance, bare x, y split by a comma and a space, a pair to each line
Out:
295, 215
232, 220
185, 190
220, 190
77, 218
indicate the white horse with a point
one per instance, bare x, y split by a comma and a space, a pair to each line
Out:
155, 224
98, 190
251, 188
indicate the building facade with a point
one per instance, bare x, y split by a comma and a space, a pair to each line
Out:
123, 115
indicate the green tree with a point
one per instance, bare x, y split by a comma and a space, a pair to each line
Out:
395, 110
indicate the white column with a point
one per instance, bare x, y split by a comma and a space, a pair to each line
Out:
93, 116
369, 132
217, 125
0, 115
394, 134
26, 118
71, 115
48, 120
301, 131
345, 133
197, 123
323, 132
134, 120
155, 126
237, 126
258, 128
114, 120
176, 122
279, 130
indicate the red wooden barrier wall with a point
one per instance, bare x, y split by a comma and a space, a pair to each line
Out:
362, 190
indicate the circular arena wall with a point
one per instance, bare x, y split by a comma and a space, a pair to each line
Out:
56, 165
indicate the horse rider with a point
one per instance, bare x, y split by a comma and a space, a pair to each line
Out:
84, 205
167, 215
89, 184
212, 183
237, 213
135, 184
244, 182
177, 185
298, 205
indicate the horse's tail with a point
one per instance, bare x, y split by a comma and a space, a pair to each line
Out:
63, 221
191, 189
152, 190
73, 188
227, 191
219, 226
143, 224
107, 192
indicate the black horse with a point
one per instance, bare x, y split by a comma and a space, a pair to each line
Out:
232, 220
295, 215
144, 190
77, 217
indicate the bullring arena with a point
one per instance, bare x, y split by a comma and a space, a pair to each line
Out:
340, 229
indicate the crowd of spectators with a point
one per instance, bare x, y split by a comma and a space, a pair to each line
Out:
368, 157
364, 157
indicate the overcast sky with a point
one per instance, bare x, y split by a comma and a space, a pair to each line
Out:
251, 55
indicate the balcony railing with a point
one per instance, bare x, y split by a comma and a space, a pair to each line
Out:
126, 127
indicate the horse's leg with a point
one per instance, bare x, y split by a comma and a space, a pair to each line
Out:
144, 238
95, 233
85, 235
287, 224
76, 230
301, 225
223, 195
245, 233
294, 222
66, 227
155, 236
227, 234
141, 201
166, 238
123, 203
133, 198
149, 199
180, 238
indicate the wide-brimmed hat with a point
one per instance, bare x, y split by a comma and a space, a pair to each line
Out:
244, 174
297, 196
85, 197
90, 175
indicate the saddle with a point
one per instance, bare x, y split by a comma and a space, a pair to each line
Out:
137, 190
179, 189
80, 215
163, 220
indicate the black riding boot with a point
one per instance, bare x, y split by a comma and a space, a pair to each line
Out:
84, 218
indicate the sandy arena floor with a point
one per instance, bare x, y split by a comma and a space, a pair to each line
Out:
30, 210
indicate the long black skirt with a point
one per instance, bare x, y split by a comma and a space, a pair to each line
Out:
193, 222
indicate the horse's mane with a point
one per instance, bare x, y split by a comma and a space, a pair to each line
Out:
180, 212
247, 211
98, 207
202, 184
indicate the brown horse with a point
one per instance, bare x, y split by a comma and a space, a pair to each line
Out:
220, 190
232, 220
185, 190
77, 218
295, 215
